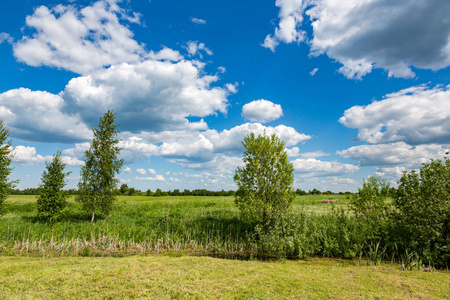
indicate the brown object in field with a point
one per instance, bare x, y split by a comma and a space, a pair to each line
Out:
330, 200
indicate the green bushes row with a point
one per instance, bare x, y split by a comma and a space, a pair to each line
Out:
412, 223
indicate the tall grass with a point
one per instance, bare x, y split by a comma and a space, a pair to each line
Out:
204, 225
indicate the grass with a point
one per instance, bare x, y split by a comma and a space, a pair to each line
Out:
137, 224
211, 278
154, 247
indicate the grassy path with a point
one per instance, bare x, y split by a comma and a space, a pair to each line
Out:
211, 278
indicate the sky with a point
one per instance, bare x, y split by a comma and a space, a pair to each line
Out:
355, 88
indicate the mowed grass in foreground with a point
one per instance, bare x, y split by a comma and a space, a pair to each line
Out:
160, 276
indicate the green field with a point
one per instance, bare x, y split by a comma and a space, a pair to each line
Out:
138, 224
197, 247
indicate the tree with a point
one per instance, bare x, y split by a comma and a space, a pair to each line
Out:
370, 206
52, 198
5, 161
422, 212
101, 165
265, 191
124, 188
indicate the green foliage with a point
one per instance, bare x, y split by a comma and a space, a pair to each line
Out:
315, 192
265, 190
96, 188
52, 198
422, 212
370, 206
5, 161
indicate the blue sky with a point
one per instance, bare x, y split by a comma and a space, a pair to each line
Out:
355, 88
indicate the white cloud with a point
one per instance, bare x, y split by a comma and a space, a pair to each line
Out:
293, 152
37, 116
313, 71
262, 111
79, 40
314, 154
229, 141
127, 170
291, 16
25, 155
151, 96
5, 37
232, 88
151, 172
395, 154
198, 21
334, 180
415, 115
390, 172
156, 178
166, 54
141, 171
312, 167
194, 48
363, 35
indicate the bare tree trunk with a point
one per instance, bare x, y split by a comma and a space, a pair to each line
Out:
93, 214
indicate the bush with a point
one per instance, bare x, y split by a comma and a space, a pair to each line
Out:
371, 209
422, 213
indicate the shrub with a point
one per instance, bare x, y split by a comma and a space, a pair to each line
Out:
371, 209
422, 212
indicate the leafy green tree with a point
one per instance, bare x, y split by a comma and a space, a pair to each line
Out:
265, 191
124, 188
370, 206
52, 198
5, 162
422, 212
101, 165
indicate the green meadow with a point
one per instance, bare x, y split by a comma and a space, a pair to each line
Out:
195, 247
139, 224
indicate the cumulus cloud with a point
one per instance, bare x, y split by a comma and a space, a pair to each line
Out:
37, 116
262, 111
314, 154
195, 48
198, 21
395, 154
229, 141
151, 172
188, 146
151, 95
415, 115
25, 155
363, 35
127, 170
5, 37
288, 31
334, 180
141, 171
166, 54
156, 178
293, 152
312, 167
79, 40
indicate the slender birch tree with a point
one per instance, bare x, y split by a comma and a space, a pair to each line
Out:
96, 188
